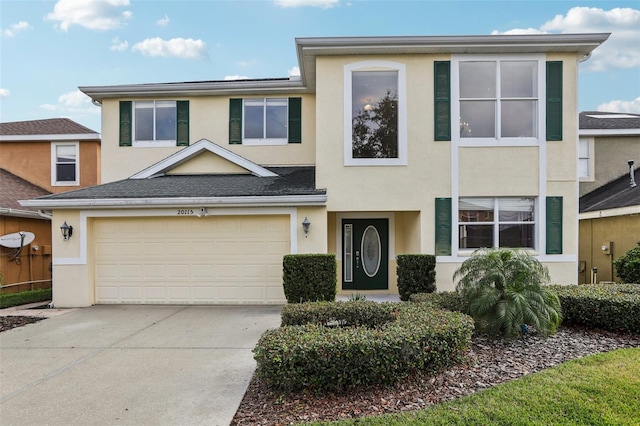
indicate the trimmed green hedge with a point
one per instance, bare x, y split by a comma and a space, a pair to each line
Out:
345, 314
24, 297
628, 266
336, 358
309, 277
614, 307
416, 274
449, 300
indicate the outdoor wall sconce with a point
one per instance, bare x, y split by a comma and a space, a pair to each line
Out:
67, 231
305, 226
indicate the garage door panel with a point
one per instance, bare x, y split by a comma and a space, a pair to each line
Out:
217, 259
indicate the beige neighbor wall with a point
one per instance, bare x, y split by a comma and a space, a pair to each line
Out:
208, 119
610, 158
549, 169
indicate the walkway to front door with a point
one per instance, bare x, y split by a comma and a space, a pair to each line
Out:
365, 254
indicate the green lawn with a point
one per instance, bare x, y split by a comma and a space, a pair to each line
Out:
601, 389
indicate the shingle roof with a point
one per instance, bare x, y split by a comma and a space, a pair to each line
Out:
50, 126
290, 181
616, 194
608, 120
15, 188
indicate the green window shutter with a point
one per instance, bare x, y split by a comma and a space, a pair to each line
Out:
182, 123
235, 121
295, 120
554, 225
442, 100
443, 226
554, 101
126, 112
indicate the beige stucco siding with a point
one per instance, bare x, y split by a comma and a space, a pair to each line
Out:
208, 119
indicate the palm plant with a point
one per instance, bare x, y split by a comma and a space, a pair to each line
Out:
503, 291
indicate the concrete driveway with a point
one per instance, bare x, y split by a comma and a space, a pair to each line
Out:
131, 365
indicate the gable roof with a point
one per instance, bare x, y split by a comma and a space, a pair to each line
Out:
203, 145
594, 123
15, 188
616, 195
308, 49
50, 129
289, 186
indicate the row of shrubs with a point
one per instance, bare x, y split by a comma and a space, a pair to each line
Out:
8, 300
341, 345
312, 277
613, 307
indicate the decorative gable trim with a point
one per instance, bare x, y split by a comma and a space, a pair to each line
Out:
197, 148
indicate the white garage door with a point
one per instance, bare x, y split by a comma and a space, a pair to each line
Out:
214, 259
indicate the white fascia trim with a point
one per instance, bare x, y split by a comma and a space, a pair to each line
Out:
621, 211
52, 138
609, 132
202, 145
4, 211
248, 201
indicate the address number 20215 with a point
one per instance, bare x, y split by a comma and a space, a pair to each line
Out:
184, 212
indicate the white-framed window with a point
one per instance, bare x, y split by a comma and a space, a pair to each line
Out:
375, 113
65, 167
485, 222
154, 123
585, 160
498, 99
265, 121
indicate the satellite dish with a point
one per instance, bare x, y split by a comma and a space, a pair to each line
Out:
17, 239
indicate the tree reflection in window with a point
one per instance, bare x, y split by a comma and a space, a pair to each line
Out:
375, 114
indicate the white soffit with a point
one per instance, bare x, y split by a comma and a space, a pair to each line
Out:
197, 148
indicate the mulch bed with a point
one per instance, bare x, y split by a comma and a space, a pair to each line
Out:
490, 362
7, 323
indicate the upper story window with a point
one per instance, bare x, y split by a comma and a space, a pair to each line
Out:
496, 222
375, 113
64, 164
498, 98
154, 123
265, 121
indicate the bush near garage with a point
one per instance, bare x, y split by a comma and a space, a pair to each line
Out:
24, 297
628, 266
614, 307
416, 274
344, 314
309, 277
449, 300
320, 358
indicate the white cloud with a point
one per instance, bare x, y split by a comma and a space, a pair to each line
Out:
92, 14
324, 4
14, 29
119, 46
294, 71
163, 22
246, 64
621, 50
174, 48
632, 107
74, 102
236, 77
4, 93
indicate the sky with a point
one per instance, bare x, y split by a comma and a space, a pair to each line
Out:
50, 48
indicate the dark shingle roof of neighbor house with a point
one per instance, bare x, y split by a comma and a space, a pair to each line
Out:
15, 188
50, 126
290, 181
615, 194
608, 120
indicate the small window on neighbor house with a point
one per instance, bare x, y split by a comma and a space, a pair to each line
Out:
64, 164
583, 158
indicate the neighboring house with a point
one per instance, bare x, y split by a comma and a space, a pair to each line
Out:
56, 154
31, 263
39, 157
609, 160
382, 146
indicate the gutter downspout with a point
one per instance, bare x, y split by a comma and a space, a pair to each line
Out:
44, 215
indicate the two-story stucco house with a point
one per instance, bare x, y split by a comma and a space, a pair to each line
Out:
382, 146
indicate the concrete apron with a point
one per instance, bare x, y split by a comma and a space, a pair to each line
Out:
131, 365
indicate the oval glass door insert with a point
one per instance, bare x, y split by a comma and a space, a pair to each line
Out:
371, 251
